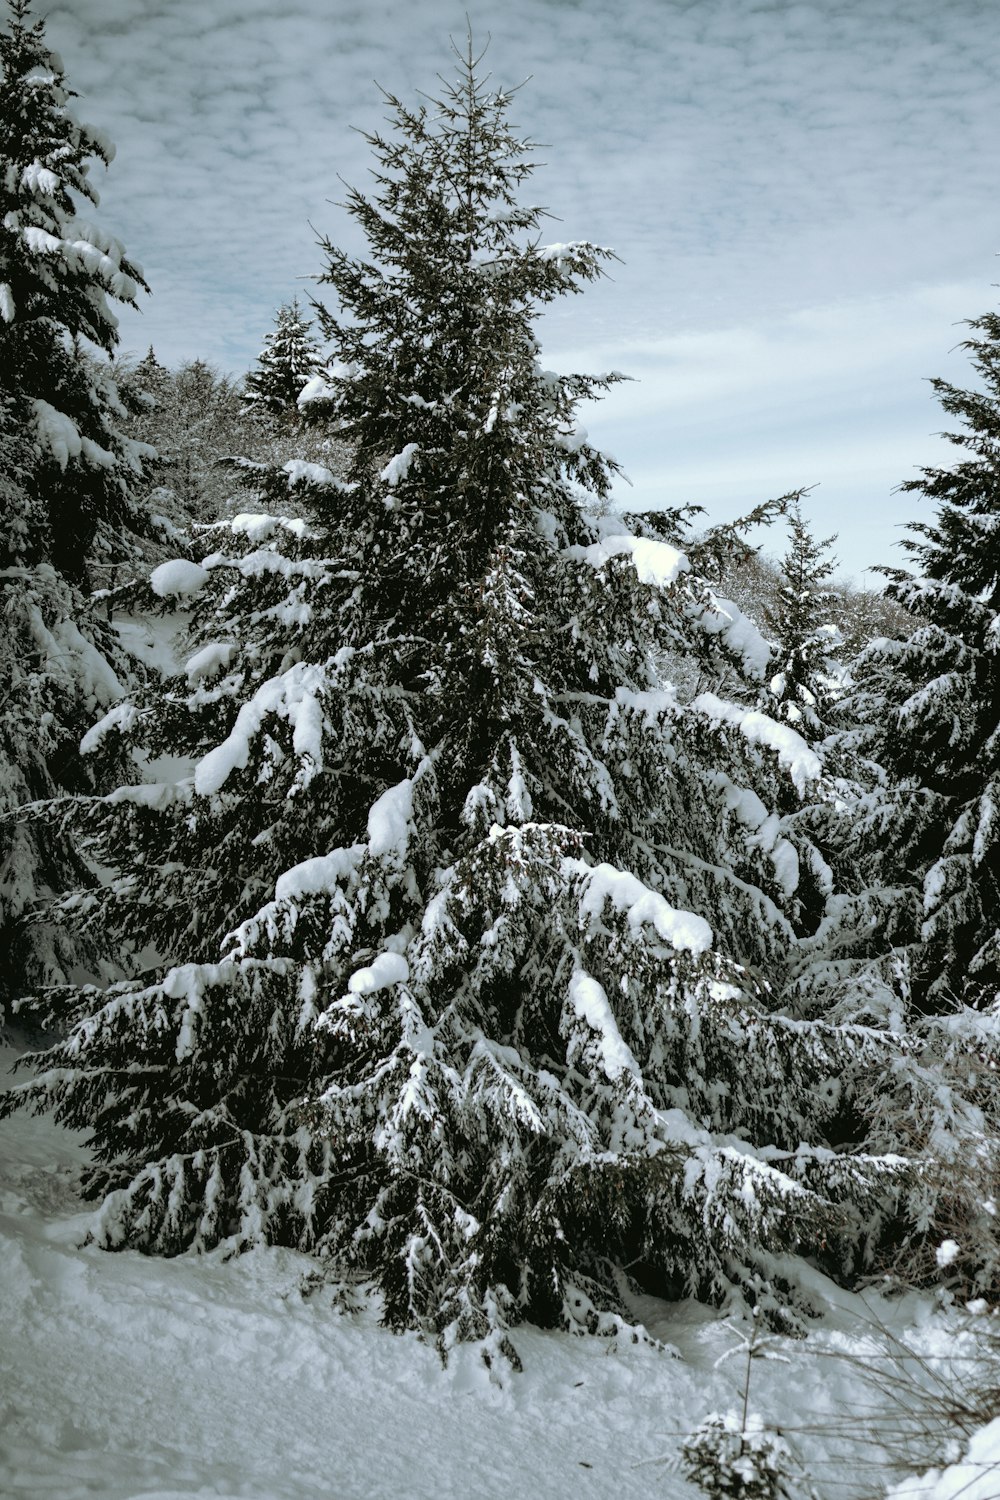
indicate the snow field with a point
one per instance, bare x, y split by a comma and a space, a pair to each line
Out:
128, 1377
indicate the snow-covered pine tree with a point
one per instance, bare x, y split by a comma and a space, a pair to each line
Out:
289, 359
935, 704
480, 919
149, 384
928, 832
67, 481
799, 623
57, 274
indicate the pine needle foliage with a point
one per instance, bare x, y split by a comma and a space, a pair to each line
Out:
927, 832
476, 923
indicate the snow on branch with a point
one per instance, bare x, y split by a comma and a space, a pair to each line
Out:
625, 893
656, 563
293, 696
802, 764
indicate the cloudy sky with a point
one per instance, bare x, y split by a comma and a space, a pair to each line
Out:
803, 197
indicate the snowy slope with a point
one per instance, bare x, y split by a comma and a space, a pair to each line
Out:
976, 1476
124, 1376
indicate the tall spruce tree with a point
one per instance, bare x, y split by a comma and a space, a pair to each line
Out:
481, 921
289, 359
67, 486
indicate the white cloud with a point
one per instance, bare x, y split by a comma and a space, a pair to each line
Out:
748, 161
833, 397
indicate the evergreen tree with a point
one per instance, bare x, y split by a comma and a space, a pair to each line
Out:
481, 922
57, 275
934, 704
66, 485
289, 359
926, 832
803, 689
149, 380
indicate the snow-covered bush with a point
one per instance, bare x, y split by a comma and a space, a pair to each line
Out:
730, 1457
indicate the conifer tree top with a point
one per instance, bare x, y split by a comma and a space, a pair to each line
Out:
51, 263
962, 545
60, 277
289, 359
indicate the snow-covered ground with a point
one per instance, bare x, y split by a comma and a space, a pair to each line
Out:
124, 1376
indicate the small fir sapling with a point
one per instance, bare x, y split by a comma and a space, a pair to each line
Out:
730, 1459
736, 1456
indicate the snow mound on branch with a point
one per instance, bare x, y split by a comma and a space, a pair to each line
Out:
153, 794
399, 466
40, 179
749, 810
301, 472
177, 578
626, 893
121, 717
743, 639
57, 433
385, 970
793, 753
208, 661
318, 387
390, 820
655, 563
257, 526
94, 673
293, 696
564, 254
318, 876
590, 1002
572, 439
